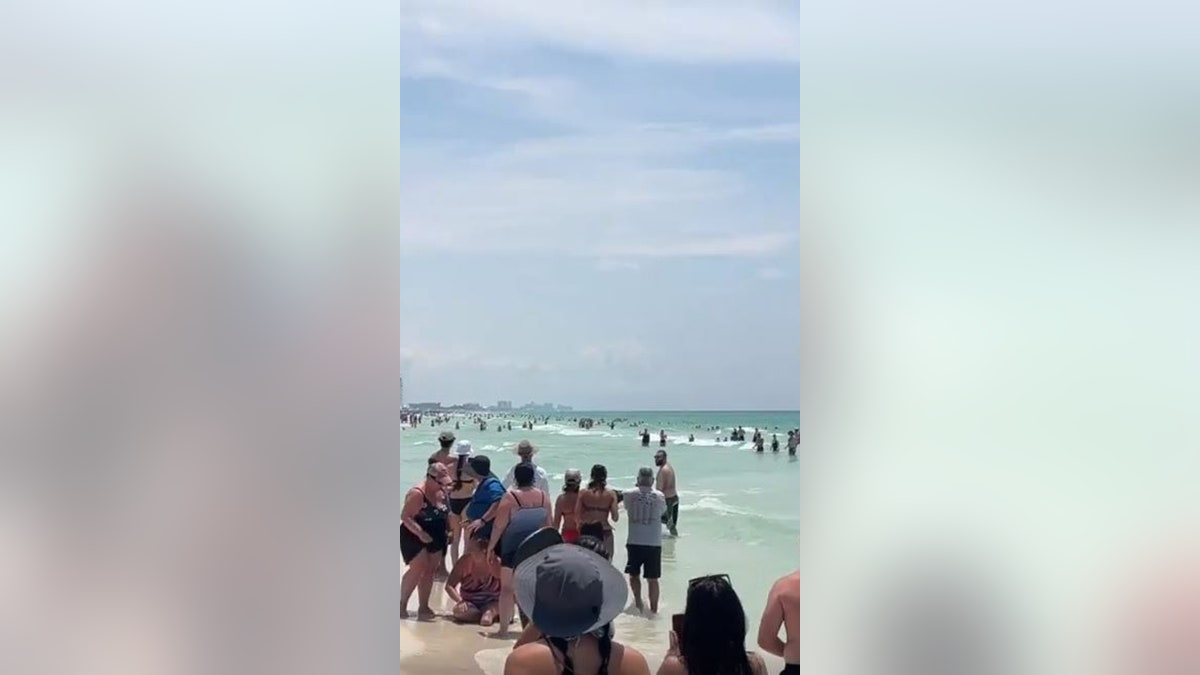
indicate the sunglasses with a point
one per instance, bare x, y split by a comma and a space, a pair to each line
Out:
710, 577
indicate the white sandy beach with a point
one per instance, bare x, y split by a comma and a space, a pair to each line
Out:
443, 647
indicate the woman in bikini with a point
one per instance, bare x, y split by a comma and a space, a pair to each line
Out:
460, 495
474, 585
596, 505
566, 519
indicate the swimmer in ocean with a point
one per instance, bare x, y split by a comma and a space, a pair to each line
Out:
645, 438
774, 442
662, 438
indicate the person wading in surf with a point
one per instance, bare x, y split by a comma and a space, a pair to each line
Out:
566, 508
664, 482
596, 505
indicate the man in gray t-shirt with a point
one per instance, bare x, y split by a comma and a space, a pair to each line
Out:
645, 507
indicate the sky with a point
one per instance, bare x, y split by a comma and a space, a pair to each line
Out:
600, 204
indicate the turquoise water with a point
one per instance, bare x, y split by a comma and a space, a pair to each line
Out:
737, 507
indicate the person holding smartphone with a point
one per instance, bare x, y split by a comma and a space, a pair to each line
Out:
709, 637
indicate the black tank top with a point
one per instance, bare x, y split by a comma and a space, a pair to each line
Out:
431, 517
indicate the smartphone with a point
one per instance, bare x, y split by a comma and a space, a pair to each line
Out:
677, 625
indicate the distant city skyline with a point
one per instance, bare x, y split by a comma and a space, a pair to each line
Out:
597, 211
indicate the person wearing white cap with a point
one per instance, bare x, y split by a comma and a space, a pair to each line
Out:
461, 492
570, 594
541, 480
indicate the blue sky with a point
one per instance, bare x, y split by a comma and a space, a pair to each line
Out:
600, 204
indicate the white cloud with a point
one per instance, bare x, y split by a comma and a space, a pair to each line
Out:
730, 246
738, 32
618, 194
534, 87
611, 265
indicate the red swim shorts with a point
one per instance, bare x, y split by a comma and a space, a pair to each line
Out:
570, 536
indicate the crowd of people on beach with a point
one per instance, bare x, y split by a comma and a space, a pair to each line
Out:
514, 554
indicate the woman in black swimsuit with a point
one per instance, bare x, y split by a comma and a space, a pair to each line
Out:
460, 495
596, 504
424, 533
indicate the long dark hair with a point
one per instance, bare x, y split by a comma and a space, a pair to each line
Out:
599, 479
458, 481
714, 629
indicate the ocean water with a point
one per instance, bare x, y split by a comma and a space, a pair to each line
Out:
737, 508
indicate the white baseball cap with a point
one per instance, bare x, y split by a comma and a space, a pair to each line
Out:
463, 449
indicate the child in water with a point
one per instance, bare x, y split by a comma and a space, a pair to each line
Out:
474, 586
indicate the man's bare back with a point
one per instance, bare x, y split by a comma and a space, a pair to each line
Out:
783, 609
665, 481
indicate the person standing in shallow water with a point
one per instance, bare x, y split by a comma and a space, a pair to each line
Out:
645, 438
595, 506
646, 508
664, 482
566, 508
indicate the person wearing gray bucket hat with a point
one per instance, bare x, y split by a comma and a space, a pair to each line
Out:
569, 592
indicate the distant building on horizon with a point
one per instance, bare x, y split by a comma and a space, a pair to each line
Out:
504, 405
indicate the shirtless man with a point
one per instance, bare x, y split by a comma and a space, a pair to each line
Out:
447, 459
783, 609
664, 482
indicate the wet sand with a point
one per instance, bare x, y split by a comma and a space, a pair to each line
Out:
441, 646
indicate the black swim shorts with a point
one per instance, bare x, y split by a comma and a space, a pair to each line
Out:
649, 557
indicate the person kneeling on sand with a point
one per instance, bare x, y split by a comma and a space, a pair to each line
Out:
474, 585
570, 593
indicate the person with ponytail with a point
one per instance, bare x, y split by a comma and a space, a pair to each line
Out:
461, 491
713, 641
596, 505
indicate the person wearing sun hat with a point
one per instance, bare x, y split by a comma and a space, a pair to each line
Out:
570, 593
525, 453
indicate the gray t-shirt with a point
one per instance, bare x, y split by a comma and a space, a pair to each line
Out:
645, 507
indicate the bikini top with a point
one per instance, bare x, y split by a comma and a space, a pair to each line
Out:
567, 513
558, 649
598, 509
